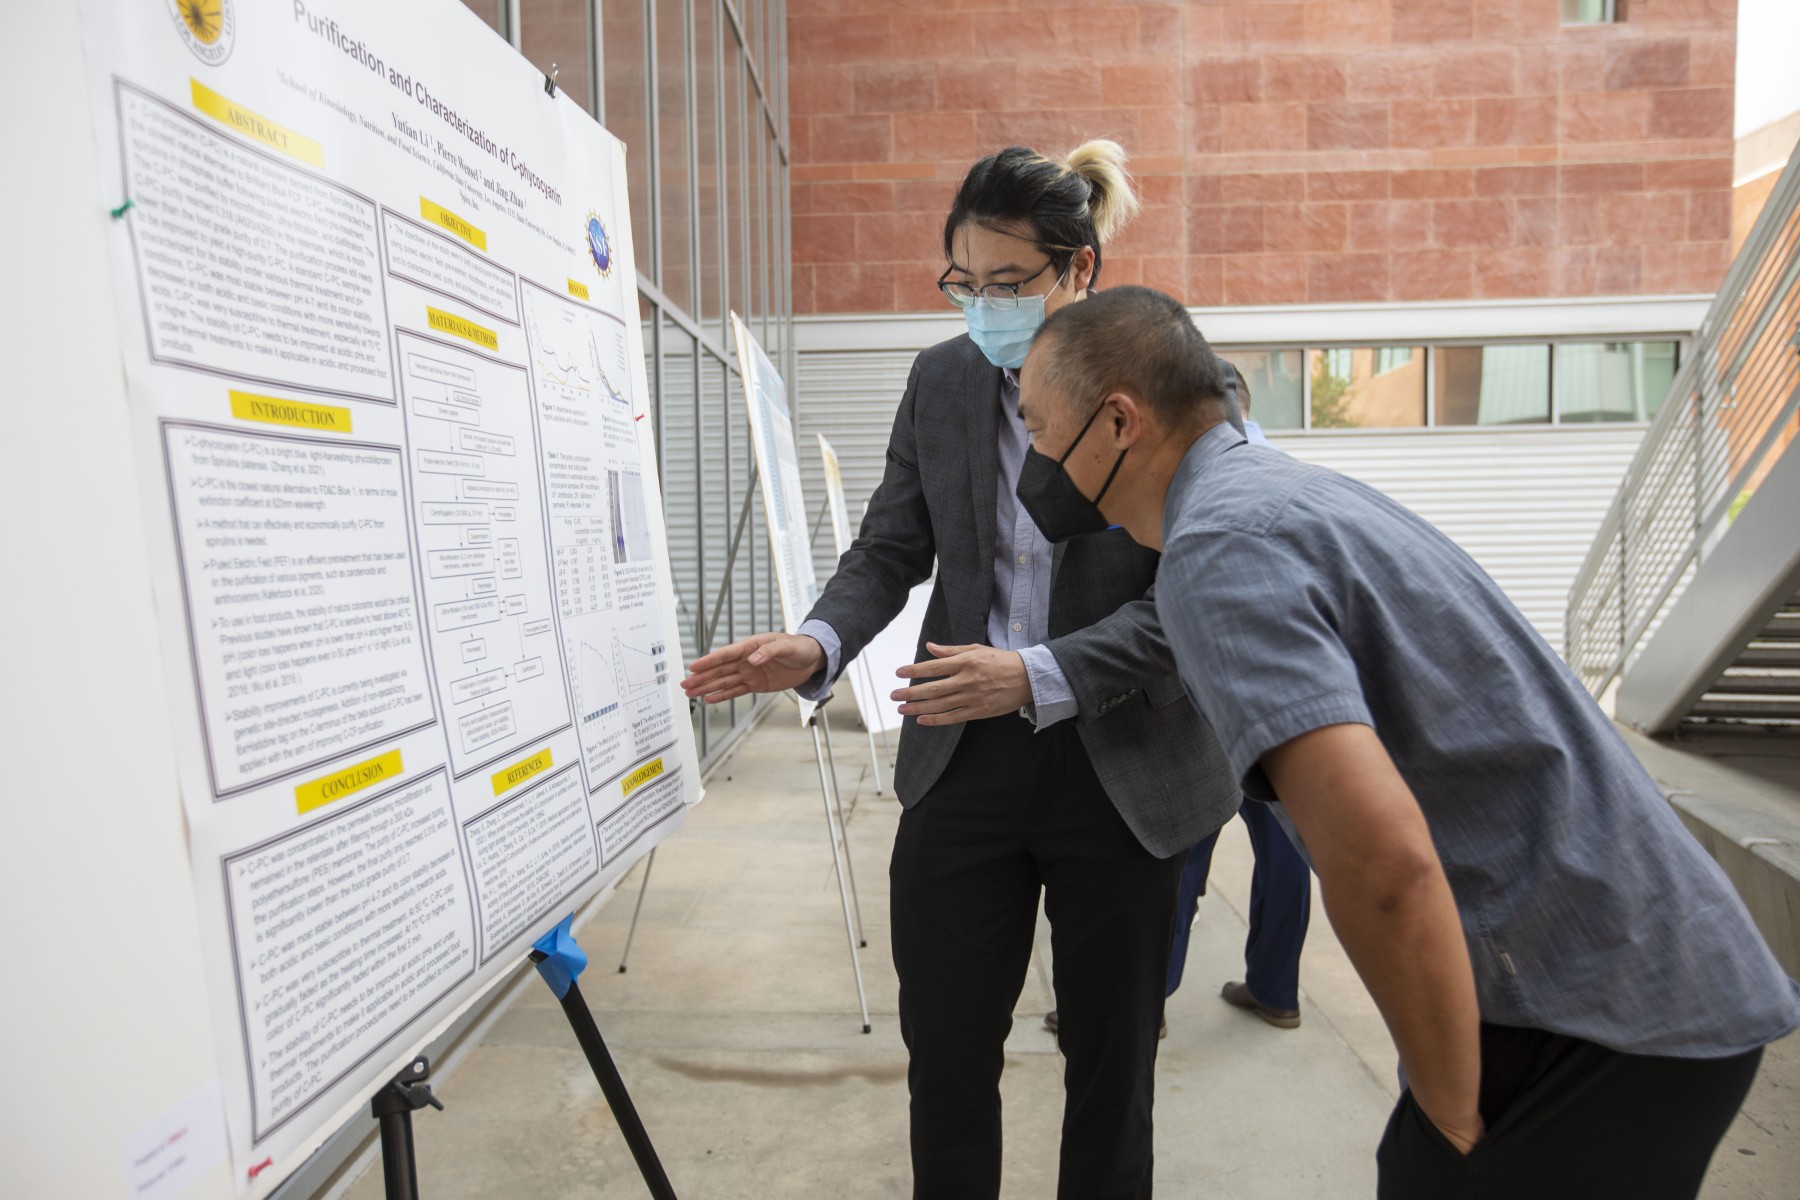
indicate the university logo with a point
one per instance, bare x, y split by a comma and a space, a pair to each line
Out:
599, 246
209, 27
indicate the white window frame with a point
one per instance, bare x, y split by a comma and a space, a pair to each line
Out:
1609, 14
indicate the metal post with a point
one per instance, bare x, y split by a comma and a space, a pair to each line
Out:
843, 895
875, 756
818, 524
637, 910
730, 558
837, 797
869, 678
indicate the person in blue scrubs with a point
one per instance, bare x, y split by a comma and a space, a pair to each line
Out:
1280, 886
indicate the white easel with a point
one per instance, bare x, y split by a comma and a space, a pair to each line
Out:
812, 715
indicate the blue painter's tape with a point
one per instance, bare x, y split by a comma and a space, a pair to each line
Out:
563, 960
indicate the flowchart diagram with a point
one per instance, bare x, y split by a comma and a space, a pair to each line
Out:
481, 533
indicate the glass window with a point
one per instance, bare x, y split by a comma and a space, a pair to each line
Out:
1276, 387
758, 246
675, 269
1613, 381
682, 477
734, 180
750, 13
1491, 385
555, 32
710, 269
1368, 387
627, 115
1588, 12
710, 219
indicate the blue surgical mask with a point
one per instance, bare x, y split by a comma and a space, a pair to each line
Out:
1004, 334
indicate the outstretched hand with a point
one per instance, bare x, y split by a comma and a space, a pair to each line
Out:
767, 662
968, 683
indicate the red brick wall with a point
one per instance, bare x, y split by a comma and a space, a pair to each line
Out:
1333, 150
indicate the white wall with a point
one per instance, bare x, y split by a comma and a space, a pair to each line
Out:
1768, 62
103, 1017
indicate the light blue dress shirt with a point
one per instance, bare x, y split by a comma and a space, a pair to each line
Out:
1019, 613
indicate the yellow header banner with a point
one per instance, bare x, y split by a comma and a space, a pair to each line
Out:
641, 776
254, 125
442, 216
522, 770
272, 410
578, 290
339, 784
462, 327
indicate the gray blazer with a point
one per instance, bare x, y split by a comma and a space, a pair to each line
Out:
1161, 765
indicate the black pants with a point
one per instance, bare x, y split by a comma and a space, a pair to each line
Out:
1015, 811
1567, 1118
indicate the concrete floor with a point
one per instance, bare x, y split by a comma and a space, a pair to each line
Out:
736, 1030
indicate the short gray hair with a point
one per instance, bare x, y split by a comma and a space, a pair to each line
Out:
1137, 340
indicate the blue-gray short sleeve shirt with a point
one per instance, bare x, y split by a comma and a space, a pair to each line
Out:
1295, 598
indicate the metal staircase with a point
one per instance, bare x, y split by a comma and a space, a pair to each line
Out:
1762, 685
1687, 610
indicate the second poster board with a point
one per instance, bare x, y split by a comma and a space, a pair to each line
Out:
784, 500
874, 676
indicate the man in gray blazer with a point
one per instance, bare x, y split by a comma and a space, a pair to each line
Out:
1048, 744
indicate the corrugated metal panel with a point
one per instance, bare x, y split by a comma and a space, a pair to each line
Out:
850, 397
1525, 503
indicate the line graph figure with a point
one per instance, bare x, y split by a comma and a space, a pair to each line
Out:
612, 393
597, 685
641, 668
610, 678
567, 355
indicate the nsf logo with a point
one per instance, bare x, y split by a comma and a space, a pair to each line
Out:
599, 246
209, 27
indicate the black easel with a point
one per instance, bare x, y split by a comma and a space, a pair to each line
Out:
560, 961
393, 1106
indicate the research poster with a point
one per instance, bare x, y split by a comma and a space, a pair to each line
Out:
378, 302
778, 468
872, 704
874, 675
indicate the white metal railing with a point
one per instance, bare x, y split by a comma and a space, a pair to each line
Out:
1731, 411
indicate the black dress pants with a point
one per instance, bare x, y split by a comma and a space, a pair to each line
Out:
1016, 810
1569, 1119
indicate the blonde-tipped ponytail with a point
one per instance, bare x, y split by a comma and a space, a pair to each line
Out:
1061, 204
1111, 201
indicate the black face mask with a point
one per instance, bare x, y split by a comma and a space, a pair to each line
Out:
1051, 497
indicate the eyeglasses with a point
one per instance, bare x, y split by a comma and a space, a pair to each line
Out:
999, 295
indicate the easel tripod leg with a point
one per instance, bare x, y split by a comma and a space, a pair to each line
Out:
393, 1107
399, 1170
612, 1086
874, 758
637, 910
837, 798
862, 999
560, 961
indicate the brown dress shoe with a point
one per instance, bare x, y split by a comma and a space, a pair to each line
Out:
1236, 993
